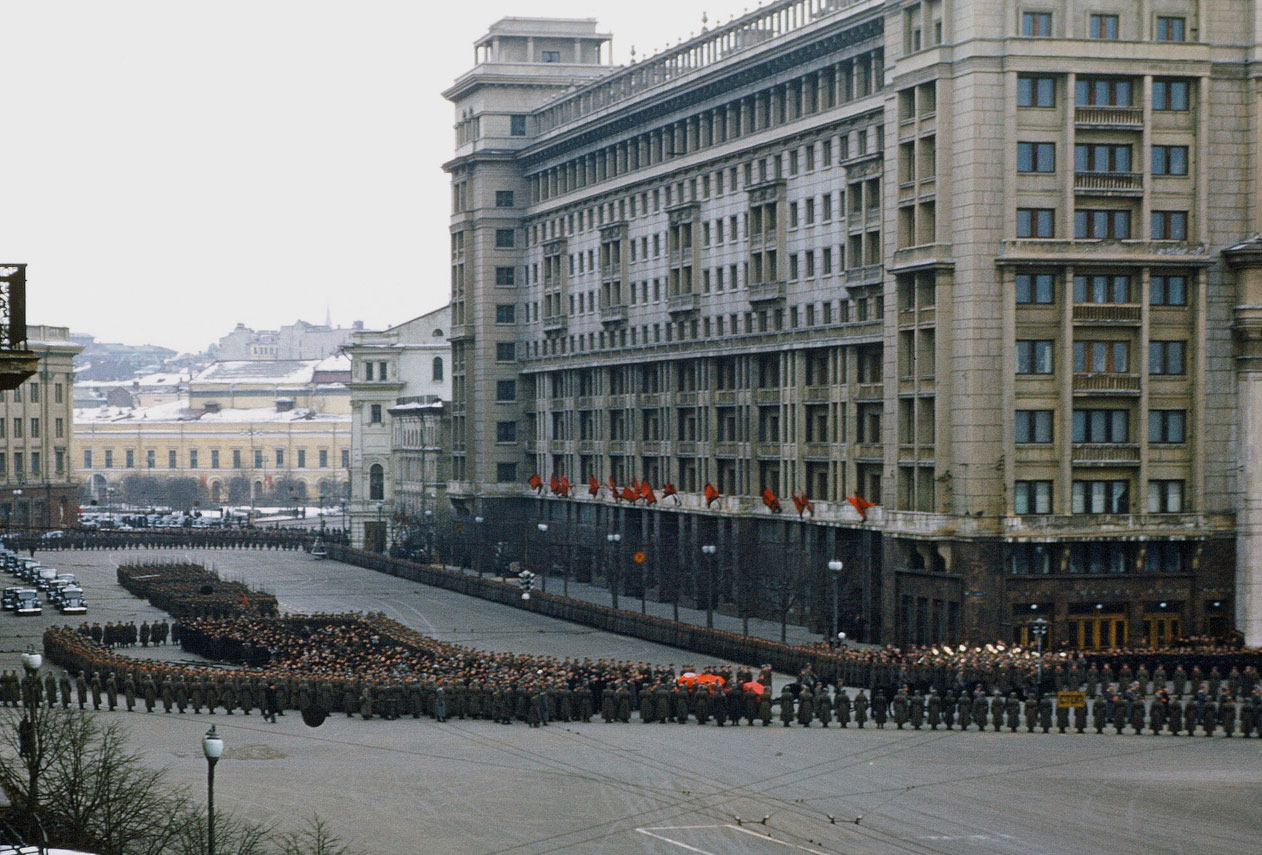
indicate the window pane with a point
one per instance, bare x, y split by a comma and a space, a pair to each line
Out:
1043, 288
1119, 356
1080, 425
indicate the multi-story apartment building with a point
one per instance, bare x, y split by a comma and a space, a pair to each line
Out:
36, 418
400, 448
963, 259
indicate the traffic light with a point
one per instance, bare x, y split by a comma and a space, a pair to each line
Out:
527, 581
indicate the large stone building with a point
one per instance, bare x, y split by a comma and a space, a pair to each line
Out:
963, 259
36, 418
271, 433
401, 383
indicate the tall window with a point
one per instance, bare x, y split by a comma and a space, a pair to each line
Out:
1167, 427
1170, 94
1032, 497
1166, 357
436, 373
1169, 160
517, 125
1102, 426
1104, 92
1098, 157
1165, 497
1169, 225
1101, 288
1036, 157
1101, 497
1033, 426
1034, 91
1036, 222
1104, 26
1171, 29
1102, 224
1036, 24
376, 482
1034, 357
374, 415
1034, 287
1102, 357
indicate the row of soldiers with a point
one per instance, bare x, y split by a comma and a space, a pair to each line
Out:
1004, 671
540, 702
250, 538
127, 634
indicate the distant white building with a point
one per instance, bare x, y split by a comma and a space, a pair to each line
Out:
299, 340
400, 385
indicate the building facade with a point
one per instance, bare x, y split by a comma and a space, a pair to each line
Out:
242, 433
299, 340
961, 259
400, 391
36, 420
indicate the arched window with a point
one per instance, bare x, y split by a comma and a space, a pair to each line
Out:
438, 368
376, 482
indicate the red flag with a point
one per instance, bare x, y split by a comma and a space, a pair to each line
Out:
646, 493
668, 489
635, 485
711, 495
861, 505
566, 487
593, 486
629, 494
268, 479
803, 504
203, 480
771, 500
554, 485
536, 483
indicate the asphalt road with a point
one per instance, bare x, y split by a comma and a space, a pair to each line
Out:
667, 789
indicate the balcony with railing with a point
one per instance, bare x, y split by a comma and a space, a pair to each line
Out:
555, 323
1109, 117
682, 304
17, 361
1109, 183
613, 314
1105, 454
1107, 313
766, 292
1106, 384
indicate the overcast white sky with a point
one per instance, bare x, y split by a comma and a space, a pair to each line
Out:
171, 167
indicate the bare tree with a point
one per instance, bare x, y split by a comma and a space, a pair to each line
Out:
315, 839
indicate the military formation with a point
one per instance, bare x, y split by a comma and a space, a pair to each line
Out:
369, 666
127, 634
285, 539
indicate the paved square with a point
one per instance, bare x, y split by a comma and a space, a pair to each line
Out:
477, 788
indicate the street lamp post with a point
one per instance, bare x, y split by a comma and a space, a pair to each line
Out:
212, 747
29, 738
835, 567
379, 540
709, 549
543, 530
615, 579
477, 546
1038, 627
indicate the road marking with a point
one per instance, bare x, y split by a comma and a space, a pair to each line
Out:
677, 843
650, 832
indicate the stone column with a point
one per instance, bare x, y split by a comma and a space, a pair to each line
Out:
1246, 259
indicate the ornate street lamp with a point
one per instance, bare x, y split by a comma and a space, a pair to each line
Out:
212, 747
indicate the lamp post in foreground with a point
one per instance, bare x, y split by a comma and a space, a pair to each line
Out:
212, 747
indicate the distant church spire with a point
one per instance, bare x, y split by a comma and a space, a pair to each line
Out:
328, 316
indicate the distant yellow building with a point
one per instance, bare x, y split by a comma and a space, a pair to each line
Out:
249, 432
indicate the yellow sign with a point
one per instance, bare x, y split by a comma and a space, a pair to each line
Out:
639, 557
1071, 700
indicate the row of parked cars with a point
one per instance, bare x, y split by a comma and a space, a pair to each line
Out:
61, 589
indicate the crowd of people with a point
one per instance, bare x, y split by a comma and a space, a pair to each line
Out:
373, 667
188, 590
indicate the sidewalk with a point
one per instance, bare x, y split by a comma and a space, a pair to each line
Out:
758, 627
